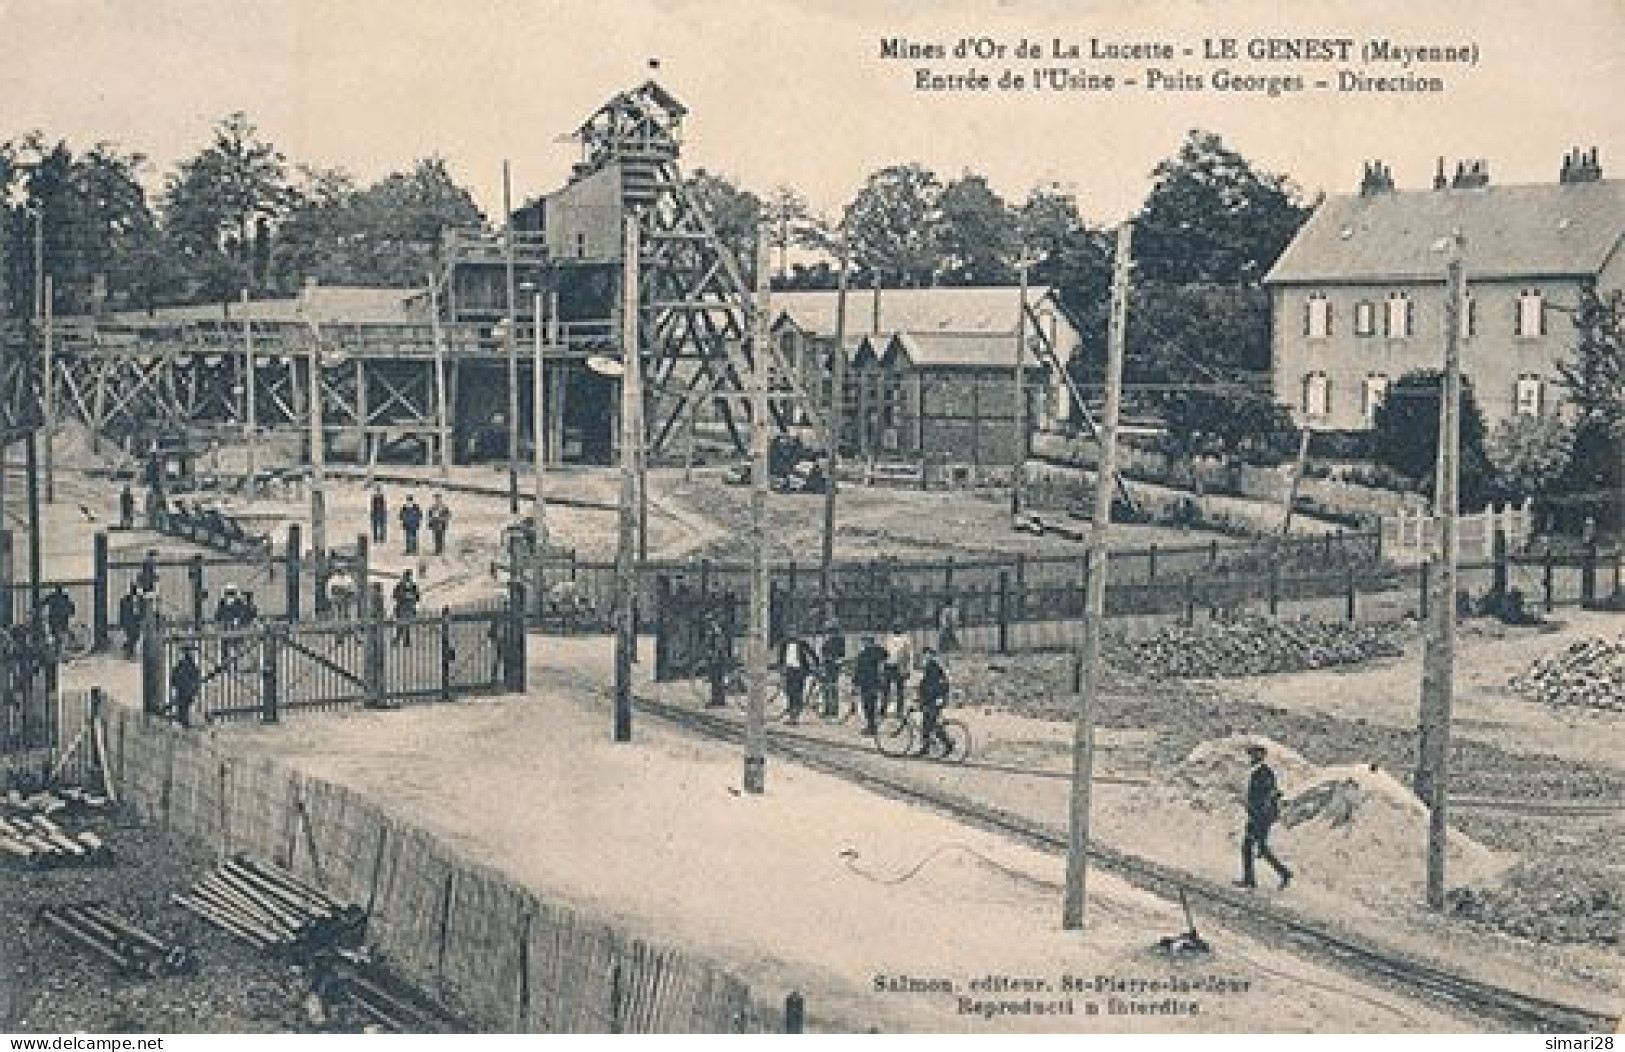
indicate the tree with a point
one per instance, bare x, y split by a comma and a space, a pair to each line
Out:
1530, 454
980, 237
1405, 436
1213, 218
1595, 382
786, 211
97, 225
895, 224
213, 202
1050, 225
735, 213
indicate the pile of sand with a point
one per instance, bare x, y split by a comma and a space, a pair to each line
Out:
1221, 765
1352, 827
1358, 824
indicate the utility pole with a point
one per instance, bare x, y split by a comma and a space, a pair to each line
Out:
760, 598
832, 432
318, 465
538, 396
1096, 563
1019, 414
510, 338
48, 388
1439, 659
626, 618
440, 414
249, 396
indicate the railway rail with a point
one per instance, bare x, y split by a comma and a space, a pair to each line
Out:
1352, 953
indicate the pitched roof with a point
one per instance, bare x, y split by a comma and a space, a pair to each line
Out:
324, 304
959, 350
940, 309
1536, 230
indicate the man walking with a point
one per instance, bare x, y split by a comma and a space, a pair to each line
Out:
185, 680
899, 666
58, 609
799, 666
1263, 808
933, 697
831, 656
379, 513
867, 677
126, 508
406, 596
411, 521
439, 518
132, 611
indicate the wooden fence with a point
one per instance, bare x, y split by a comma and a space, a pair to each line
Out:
1409, 538
492, 951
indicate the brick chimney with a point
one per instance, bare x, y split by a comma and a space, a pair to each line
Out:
1377, 178
1439, 179
1580, 166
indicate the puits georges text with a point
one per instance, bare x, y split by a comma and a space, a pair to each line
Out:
1271, 66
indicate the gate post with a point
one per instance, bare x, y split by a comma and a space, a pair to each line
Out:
514, 666
98, 592
1004, 611
194, 574
270, 656
6, 594
1021, 587
1498, 553
1547, 576
447, 654
662, 627
292, 558
154, 701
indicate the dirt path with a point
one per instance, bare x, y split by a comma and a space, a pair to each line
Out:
817, 886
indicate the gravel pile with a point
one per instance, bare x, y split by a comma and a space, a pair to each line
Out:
1253, 646
1548, 902
1589, 673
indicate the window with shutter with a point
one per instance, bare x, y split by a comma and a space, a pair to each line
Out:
1365, 318
1399, 316
1528, 395
1317, 394
1375, 390
1317, 320
1531, 313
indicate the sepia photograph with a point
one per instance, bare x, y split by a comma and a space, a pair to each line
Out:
977, 517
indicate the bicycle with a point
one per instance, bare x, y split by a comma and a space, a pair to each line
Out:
900, 736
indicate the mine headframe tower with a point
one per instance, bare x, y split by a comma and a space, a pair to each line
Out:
695, 301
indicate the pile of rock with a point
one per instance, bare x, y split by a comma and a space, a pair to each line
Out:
1252, 646
1589, 672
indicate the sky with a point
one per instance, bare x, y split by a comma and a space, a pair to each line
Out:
795, 91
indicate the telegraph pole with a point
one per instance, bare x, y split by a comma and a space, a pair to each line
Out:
832, 432
538, 395
249, 396
510, 341
318, 466
440, 414
48, 388
1019, 414
1096, 562
1439, 686
626, 618
760, 599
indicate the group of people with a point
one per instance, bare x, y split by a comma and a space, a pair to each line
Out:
412, 518
880, 672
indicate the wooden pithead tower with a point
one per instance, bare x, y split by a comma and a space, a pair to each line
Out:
695, 299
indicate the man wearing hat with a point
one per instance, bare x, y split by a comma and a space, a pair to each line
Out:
1263, 807
185, 679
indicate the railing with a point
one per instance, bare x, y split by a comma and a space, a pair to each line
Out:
1409, 538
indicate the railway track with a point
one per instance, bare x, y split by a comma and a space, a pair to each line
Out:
1352, 953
